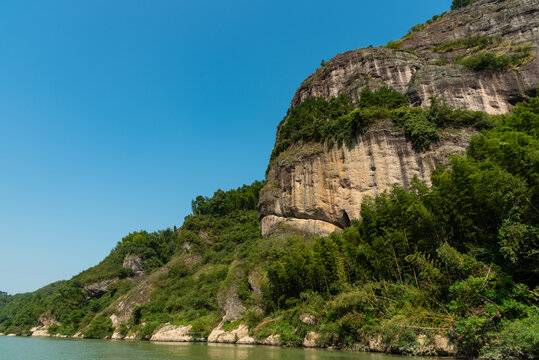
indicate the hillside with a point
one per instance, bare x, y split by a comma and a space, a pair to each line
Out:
395, 216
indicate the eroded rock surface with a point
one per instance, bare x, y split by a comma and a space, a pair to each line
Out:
515, 20
172, 333
122, 309
239, 335
97, 289
133, 262
311, 339
318, 190
321, 193
408, 71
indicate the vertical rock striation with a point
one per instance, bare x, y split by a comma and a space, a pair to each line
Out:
319, 190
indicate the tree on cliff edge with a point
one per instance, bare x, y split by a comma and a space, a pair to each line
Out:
457, 4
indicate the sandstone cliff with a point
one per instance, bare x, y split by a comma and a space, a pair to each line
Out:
411, 70
319, 190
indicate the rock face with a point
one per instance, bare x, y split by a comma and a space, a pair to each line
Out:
354, 70
133, 262
411, 72
311, 339
322, 192
39, 331
97, 289
122, 309
318, 190
171, 333
239, 335
515, 20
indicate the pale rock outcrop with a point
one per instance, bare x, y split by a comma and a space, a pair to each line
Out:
46, 321
122, 309
308, 319
254, 279
376, 343
311, 339
246, 340
230, 304
133, 262
117, 336
310, 226
321, 191
492, 91
239, 335
40, 331
98, 288
443, 346
273, 340
11, 335
131, 336
421, 339
172, 333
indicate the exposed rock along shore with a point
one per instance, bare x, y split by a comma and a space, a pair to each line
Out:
437, 344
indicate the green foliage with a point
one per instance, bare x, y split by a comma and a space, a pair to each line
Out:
395, 45
477, 42
421, 126
460, 255
491, 61
224, 202
457, 4
441, 61
99, 328
420, 27
383, 97
334, 121
517, 339
458, 258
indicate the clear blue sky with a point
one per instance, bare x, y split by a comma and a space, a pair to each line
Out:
115, 114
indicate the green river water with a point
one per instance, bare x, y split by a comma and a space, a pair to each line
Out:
24, 348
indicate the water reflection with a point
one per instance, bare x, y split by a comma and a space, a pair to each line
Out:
72, 349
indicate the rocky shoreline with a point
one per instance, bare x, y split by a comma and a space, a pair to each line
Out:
437, 345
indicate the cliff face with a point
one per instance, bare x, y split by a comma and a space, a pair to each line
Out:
319, 190
412, 72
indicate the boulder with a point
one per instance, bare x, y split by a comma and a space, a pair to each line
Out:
172, 333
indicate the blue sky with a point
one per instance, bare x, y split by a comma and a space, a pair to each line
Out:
115, 114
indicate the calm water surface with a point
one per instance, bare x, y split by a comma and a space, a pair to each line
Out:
24, 348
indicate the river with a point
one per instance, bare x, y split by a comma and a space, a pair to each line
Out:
26, 348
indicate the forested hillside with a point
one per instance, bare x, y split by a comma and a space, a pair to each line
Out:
441, 262
457, 260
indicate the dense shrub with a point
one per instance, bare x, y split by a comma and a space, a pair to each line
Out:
420, 27
478, 42
457, 4
492, 61
224, 202
335, 120
459, 255
395, 45
99, 328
